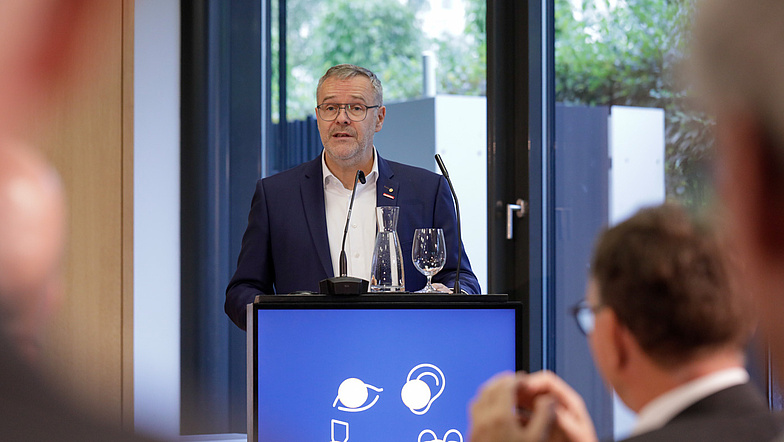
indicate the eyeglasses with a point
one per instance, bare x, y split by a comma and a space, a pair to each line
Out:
585, 316
354, 111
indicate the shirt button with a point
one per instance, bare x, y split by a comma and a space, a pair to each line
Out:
354, 226
356, 255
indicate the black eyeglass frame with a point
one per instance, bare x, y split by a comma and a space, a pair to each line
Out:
345, 106
580, 311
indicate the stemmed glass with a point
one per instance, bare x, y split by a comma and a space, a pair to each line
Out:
429, 254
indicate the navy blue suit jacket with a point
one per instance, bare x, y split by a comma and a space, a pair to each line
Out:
285, 248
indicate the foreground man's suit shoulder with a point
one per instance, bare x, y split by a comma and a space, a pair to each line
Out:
737, 413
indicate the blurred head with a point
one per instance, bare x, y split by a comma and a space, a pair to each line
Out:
48, 49
737, 59
43, 44
668, 283
32, 237
348, 143
737, 66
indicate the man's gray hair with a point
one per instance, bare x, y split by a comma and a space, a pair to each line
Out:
737, 61
348, 71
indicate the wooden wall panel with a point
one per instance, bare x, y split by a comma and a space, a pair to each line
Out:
89, 139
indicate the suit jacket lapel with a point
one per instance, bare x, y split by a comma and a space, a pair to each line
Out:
312, 191
387, 188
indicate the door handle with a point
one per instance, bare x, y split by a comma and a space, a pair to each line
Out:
520, 208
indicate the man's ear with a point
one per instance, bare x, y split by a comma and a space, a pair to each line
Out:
619, 336
628, 352
382, 113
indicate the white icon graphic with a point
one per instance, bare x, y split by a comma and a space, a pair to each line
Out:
340, 424
352, 393
436, 439
416, 393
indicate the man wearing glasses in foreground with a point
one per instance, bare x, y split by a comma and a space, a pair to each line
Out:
667, 331
295, 227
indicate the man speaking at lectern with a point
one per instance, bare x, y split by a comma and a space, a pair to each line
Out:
297, 217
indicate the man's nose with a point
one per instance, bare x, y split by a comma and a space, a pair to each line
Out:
342, 117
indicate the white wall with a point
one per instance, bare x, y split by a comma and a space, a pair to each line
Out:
156, 231
456, 128
636, 144
461, 140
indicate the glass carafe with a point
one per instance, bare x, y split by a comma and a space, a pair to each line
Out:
386, 273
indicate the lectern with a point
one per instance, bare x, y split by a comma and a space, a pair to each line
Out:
374, 367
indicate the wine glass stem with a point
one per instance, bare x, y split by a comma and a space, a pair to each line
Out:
429, 284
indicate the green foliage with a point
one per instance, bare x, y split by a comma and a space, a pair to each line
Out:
462, 59
382, 35
623, 52
629, 54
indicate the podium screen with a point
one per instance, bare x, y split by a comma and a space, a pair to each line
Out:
375, 374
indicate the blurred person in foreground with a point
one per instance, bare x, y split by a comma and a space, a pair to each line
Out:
737, 67
667, 329
41, 41
32, 239
297, 217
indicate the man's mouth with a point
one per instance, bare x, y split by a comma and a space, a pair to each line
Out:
341, 135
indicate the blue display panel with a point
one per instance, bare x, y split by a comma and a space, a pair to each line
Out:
343, 375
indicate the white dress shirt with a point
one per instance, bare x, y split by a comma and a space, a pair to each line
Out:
660, 410
361, 237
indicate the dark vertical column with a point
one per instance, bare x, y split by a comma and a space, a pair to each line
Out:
541, 81
220, 161
204, 219
248, 89
508, 160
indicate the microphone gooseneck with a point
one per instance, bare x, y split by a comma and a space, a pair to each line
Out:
360, 176
441, 166
344, 285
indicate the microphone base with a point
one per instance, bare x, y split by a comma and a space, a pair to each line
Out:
343, 286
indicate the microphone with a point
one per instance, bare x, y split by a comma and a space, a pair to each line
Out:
360, 176
441, 166
343, 284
